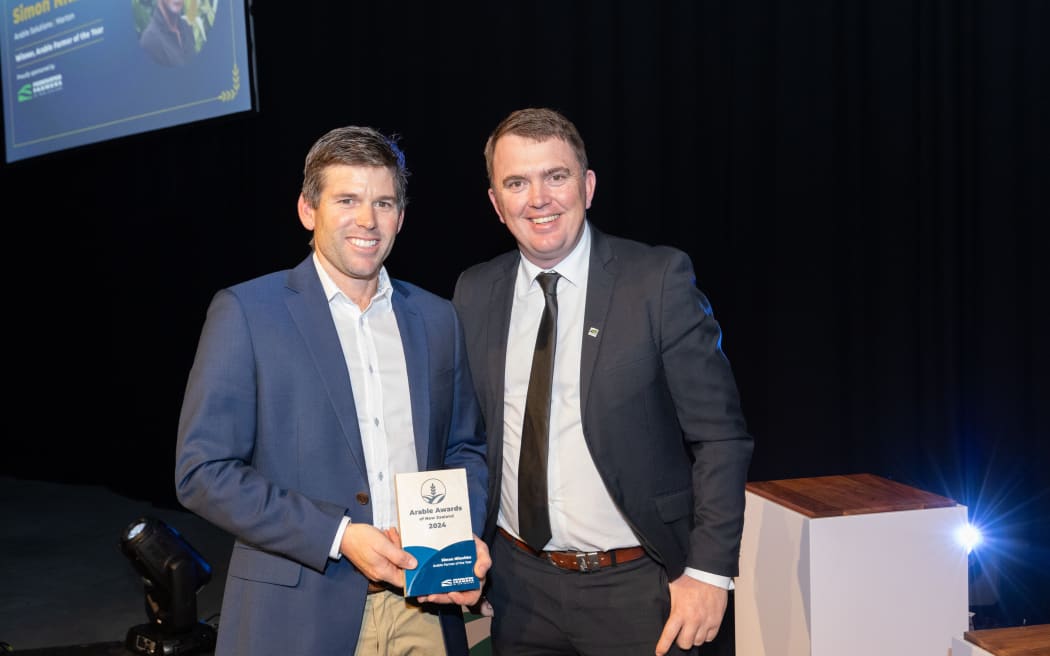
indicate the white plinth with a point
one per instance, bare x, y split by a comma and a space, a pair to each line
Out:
891, 583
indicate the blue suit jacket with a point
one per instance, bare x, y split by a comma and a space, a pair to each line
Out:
269, 450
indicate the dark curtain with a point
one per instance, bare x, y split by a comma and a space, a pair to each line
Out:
862, 186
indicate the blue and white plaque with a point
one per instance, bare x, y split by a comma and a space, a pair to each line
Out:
433, 512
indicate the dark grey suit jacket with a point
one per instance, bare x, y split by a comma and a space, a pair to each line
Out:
661, 412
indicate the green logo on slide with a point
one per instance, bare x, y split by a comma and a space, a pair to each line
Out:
25, 92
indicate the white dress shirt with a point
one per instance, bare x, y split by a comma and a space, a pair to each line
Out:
582, 513
375, 358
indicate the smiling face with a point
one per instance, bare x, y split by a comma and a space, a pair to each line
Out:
541, 193
354, 223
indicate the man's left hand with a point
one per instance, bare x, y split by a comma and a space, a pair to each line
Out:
461, 597
697, 609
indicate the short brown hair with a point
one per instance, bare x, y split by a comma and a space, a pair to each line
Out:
354, 146
540, 124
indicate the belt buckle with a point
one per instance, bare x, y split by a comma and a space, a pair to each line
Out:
588, 561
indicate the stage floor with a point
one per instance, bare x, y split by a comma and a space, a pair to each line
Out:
63, 578
67, 590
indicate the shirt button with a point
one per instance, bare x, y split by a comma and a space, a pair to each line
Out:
362, 498
376, 420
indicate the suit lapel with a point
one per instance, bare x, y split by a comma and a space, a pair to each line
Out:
414, 341
309, 310
501, 296
600, 279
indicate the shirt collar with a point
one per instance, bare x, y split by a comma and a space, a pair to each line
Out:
331, 290
572, 268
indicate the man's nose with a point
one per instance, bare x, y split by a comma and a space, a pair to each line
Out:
538, 195
366, 218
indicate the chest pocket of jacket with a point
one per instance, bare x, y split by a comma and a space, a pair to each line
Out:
629, 379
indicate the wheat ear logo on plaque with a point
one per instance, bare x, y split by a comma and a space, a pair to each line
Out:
433, 515
433, 491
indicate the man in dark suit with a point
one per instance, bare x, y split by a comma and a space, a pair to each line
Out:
311, 389
648, 449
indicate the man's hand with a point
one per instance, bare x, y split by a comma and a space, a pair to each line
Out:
375, 554
697, 609
466, 597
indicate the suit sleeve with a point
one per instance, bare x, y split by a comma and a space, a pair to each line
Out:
707, 403
214, 477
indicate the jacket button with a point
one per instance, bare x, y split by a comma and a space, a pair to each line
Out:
362, 498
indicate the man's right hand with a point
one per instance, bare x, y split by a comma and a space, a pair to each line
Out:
375, 554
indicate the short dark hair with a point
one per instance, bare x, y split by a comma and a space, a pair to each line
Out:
354, 146
539, 124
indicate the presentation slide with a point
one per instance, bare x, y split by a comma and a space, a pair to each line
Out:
77, 72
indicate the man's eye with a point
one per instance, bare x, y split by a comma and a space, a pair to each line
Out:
384, 204
558, 178
514, 185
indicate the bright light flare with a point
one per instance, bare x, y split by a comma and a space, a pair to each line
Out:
968, 536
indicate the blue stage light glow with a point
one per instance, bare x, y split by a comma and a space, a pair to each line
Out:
1008, 568
969, 536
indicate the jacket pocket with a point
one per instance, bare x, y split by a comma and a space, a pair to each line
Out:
675, 505
253, 564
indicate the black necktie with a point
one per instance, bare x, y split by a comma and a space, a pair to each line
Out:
533, 517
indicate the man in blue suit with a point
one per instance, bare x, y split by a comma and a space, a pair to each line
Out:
311, 388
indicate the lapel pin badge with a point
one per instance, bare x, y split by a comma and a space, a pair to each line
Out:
593, 332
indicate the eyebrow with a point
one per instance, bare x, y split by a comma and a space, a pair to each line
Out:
545, 173
353, 194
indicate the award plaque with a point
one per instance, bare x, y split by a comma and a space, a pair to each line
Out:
433, 514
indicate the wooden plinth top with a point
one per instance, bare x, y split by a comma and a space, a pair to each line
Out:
854, 494
1032, 640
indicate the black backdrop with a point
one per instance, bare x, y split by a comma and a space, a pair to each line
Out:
862, 186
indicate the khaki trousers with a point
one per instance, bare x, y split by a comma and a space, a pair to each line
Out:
392, 626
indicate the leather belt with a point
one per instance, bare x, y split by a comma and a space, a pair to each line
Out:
380, 586
579, 561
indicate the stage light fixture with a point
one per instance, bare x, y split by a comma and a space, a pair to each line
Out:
968, 536
173, 572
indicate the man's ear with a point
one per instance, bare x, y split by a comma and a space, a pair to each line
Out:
306, 213
590, 182
495, 205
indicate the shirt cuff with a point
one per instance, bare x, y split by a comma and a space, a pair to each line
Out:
334, 552
724, 582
